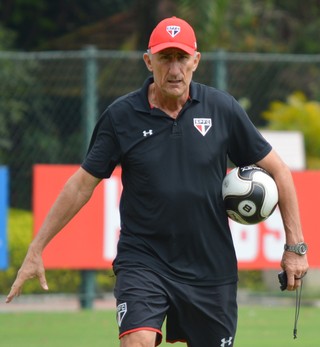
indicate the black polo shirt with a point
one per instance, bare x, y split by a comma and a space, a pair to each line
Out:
173, 218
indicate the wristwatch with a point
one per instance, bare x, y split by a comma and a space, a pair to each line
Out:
299, 248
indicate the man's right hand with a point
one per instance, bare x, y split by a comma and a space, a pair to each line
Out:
32, 267
74, 195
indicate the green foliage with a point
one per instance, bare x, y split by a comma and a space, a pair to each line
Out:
209, 19
12, 109
298, 113
251, 280
19, 236
37, 21
247, 25
7, 38
24, 101
254, 25
20, 226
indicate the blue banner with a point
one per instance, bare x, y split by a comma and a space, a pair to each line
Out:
4, 203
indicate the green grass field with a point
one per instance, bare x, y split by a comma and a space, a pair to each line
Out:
258, 326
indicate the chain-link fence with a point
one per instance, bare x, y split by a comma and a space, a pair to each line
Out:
49, 101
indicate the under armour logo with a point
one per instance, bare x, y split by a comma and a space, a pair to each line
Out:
225, 342
147, 133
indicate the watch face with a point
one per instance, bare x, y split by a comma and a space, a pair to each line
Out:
302, 249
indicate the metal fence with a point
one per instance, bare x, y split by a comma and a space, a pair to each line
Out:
49, 101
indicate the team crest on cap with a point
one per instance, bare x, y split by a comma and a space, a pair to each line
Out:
173, 30
203, 125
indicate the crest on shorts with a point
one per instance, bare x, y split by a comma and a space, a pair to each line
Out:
203, 125
121, 312
173, 30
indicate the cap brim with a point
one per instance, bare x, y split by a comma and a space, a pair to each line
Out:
162, 46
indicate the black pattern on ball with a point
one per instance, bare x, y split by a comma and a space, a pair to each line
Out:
250, 194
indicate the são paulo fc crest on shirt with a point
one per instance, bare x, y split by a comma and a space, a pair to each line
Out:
203, 125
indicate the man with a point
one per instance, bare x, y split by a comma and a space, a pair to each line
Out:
175, 257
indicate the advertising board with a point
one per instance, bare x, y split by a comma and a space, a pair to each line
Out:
89, 241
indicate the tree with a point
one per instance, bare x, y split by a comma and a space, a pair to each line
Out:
255, 25
37, 21
148, 14
208, 17
24, 123
11, 110
246, 25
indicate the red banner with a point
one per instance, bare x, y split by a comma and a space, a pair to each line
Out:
89, 240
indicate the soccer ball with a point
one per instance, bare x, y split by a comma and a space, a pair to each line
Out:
250, 194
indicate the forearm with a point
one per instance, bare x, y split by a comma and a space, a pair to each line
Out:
289, 208
294, 264
288, 202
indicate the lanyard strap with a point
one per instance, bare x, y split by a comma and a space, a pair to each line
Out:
297, 312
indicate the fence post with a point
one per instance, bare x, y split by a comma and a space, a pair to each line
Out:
220, 71
90, 113
87, 288
90, 95
4, 207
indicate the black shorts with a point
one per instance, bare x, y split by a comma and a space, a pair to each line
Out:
198, 315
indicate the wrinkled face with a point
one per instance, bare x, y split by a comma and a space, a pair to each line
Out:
172, 70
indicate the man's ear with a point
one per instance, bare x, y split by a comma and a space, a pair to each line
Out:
147, 60
197, 57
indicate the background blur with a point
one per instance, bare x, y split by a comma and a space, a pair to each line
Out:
63, 62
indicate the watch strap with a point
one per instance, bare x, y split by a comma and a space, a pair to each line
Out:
299, 248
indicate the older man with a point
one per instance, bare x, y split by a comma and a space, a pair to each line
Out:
175, 258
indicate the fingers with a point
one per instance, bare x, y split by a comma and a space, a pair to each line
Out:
15, 291
43, 282
300, 276
17, 286
296, 266
23, 276
294, 281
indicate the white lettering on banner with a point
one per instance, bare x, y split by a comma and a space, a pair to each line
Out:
246, 241
275, 238
111, 218
250, 243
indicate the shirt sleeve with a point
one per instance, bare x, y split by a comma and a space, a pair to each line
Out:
104, 151
247, 145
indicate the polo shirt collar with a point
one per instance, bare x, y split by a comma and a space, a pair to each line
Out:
144, 106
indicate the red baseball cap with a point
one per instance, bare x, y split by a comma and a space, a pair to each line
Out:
173, 32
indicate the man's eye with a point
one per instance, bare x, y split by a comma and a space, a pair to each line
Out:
164, 57
169, 57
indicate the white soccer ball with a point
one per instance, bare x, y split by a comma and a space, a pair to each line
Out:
250, 194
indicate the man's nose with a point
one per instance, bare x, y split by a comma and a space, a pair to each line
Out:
174, 67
